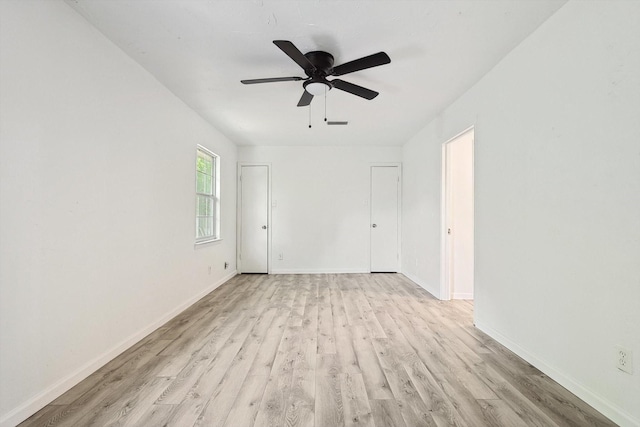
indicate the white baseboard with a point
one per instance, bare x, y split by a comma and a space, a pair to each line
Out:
434, 292
321, 271
608, 409
39, 401
462, 295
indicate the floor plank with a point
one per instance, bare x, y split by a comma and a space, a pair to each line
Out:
319, 350
329, 409
386, 413
357, 411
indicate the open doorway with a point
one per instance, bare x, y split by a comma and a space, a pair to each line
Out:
457, 217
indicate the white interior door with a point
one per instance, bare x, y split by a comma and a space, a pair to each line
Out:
385, 183
459, 255
254, 216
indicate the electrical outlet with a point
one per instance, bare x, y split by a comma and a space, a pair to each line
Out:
624, 360
280, 256
226, 265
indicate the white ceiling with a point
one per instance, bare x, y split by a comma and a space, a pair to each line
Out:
200, 50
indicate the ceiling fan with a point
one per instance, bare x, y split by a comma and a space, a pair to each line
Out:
318, 65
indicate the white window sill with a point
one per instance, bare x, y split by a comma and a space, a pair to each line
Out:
206, 242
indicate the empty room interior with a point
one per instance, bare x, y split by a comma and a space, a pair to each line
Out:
319, 213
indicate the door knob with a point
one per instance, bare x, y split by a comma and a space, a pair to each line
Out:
264, 227
374, 225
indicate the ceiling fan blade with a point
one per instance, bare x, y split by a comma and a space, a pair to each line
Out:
295, 54
305, 99
273, 79
354, 89
370, 61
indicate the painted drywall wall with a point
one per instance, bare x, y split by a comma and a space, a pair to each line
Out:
557, 200
97, 204
320, 212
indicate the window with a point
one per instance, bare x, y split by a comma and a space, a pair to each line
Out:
207, 196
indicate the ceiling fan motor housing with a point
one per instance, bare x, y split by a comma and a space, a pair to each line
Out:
323, 63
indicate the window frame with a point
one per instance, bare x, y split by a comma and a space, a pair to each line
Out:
214, 198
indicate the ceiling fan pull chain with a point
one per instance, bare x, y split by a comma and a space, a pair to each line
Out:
325, 104
309, 116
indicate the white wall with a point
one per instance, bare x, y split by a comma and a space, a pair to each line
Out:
557, 200
96, 204
321, 221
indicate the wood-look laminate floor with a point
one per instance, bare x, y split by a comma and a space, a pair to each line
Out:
319, 350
